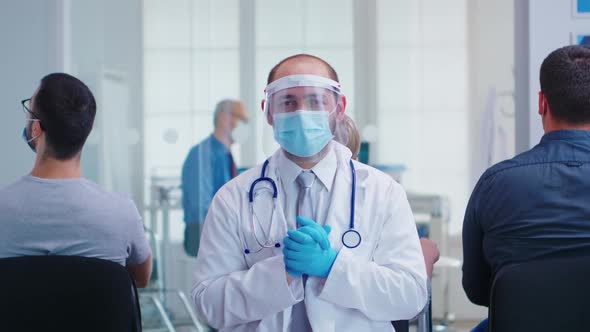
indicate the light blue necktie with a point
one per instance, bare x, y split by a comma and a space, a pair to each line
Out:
305, 208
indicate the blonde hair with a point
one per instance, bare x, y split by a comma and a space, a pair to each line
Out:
352, 138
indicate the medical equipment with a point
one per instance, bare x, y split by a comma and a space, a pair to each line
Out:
350, 239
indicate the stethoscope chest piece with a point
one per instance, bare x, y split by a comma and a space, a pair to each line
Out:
351, 239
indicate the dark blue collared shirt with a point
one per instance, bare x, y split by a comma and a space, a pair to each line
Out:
534, 206
208, 166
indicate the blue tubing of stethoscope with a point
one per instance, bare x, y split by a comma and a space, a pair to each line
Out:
353, 195
262, 178
263, 172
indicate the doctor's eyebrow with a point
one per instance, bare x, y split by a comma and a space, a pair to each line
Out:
314, 95
289, 96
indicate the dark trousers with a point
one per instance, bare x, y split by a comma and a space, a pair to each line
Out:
192, 236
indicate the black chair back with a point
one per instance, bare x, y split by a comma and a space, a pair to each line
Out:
545, 295
66, 293
401, 325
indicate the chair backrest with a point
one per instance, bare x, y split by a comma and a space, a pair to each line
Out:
66, 293
544, 295
401, 325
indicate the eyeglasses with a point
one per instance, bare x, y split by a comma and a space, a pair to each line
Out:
27, 109
26, 105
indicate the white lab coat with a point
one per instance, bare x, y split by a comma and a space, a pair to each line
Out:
381, 280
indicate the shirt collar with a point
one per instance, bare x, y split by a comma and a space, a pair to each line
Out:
216, 142
325, 170
569, 135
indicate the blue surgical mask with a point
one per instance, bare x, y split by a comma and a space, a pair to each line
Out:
302, 133
27, 139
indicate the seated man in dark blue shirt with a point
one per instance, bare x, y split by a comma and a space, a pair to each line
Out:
536, 205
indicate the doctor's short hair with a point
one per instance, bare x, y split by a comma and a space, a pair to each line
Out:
66, 109
332, 72
565, 82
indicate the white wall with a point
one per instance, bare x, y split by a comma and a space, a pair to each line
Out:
491, 63
542, 26
29, 39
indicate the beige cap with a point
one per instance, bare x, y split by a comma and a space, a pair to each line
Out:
236, 108
239, 111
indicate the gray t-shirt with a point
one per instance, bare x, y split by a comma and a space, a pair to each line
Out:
69, 217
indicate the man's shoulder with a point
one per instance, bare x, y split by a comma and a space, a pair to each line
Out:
373, 175
378, 182
119, 200
12, 193
15, 185
207, 149
513, 167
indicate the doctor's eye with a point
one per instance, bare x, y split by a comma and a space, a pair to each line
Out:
287, 105
314, 102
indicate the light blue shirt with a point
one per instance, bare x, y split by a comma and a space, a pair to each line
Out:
207, 168
71, 217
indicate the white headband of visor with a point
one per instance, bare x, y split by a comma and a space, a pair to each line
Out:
293, 81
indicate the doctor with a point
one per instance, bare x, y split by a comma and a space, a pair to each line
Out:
309, 240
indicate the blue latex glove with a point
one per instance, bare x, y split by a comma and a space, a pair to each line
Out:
304, 240
317, 232
303, 255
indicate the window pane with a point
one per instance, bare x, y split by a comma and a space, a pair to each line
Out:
215, 23
216, 75
400, 30
328, 23
166, 81
168, 140
279, 23
166, 24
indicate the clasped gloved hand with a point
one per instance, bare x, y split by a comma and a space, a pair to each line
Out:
307, 250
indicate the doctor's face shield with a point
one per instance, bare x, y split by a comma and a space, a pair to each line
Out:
302, 109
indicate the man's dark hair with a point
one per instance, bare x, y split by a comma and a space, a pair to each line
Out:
332, 73
66, 108
565, 82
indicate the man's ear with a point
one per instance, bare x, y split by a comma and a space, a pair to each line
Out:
268, 116
36, 129
341, 108
543, 105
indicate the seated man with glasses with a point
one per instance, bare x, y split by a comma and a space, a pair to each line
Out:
54, 210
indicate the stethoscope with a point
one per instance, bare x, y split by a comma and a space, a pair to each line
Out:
350, 239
